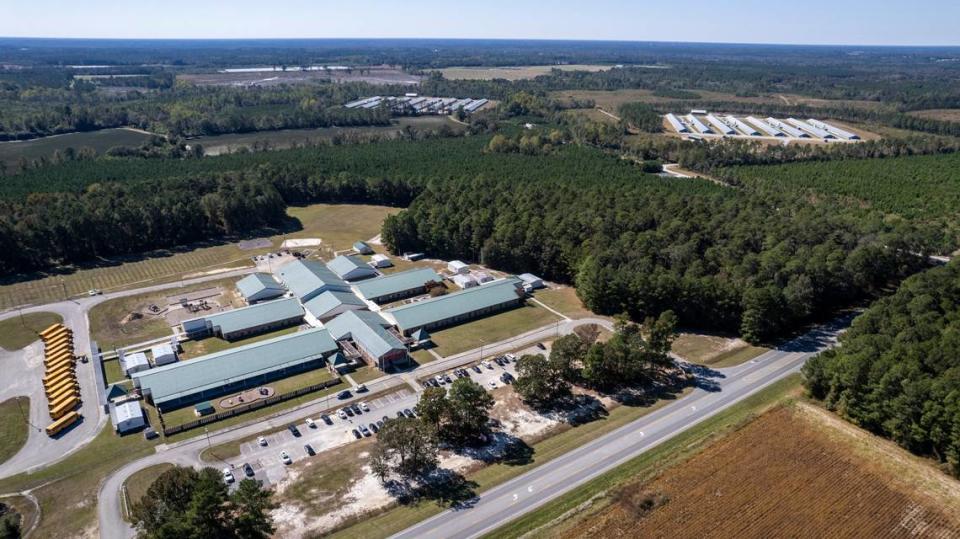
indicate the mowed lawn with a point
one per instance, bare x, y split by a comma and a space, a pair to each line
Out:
491, 329
17, 332
564, 299
338, 225
13, 427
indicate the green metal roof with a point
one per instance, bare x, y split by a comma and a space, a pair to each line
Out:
367, 329
260, 283
186, 378
330, 300
422, 313
309, 278
362, 247
350, 267
256, 315
396, 283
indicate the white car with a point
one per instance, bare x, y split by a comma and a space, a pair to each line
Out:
365, 407
342, 414
440, 379
227, 476
262, 441
488, 365
493, 383
285, 458
310, 423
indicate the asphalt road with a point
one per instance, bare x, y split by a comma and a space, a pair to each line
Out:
719, 389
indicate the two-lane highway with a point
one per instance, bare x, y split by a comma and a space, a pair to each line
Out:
531, 490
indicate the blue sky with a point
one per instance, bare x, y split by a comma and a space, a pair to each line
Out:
857, 22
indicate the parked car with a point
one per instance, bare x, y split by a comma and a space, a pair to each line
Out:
477, 368
262, 441
360, 388
365, 407
374, 428
248, 470
310, 423
285, 458
345, 394
356, 408
510, 357
348, 410
309, 450
381, 423
356, 434
488, 365
448, 379
439, 379
400, 414
408, 412
326, 419
364, 430
506, 378
227, 476
541, 346
342, 414
294, 430
385, 419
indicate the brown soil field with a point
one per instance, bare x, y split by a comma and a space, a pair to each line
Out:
789, 473
513, 72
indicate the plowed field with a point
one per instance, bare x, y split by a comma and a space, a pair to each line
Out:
780, 476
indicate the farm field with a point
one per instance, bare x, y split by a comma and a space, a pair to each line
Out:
373, 75
824, 485
338, 225
513, 72
19, 331
947, 115
610, 100
13, 428
101, 141
491, 329
218, 144
915, 187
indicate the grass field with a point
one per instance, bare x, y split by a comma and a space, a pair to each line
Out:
610, 100
564, 300
491, 329
946, 115
113, 371
67, 490
137, 484
215, 145
821, 487
101, 141
562, 440
715, 351
337, 225
17, 332
513, 72
13, 428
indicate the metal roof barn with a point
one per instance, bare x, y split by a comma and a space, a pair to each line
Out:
234, 369
765, 127
351, 268
397, 285
700, 126
255, 316
743, 127
310, 278
834, 129
259, 286
676, 124
720, 126
458, 307
788, 129
815, 131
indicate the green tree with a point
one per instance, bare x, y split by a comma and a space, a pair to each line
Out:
469, 412
406, 447
250, 507
567, 354
540, 382
433, 407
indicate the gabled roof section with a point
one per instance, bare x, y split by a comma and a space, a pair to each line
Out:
256, 315
328, 301
350, 267
434, 310
211, 371
396, 283
260, 283
306, 277
367, 329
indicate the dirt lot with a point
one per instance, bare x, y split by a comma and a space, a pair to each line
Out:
790, 473
372, 75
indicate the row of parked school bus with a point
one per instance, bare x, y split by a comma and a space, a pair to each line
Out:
60, 378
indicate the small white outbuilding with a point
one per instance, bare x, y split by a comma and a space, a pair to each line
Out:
458, 267
380, 261
127, 416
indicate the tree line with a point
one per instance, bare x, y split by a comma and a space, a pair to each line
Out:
897, 372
